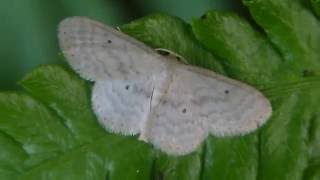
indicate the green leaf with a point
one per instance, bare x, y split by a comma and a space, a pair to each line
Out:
52, 133
285, 142
247, 55
163, 31
316, 6
60, 90
57, 137
33, 126
11, 158
293, 29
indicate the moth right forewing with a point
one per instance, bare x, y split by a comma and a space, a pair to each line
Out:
230, 107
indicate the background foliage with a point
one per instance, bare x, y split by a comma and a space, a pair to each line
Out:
28, 28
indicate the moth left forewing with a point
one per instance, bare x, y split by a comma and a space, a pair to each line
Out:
99, 52
230, 107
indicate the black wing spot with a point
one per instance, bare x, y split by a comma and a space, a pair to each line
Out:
184, 110
109, 41
178, 58
127, 87
226, 91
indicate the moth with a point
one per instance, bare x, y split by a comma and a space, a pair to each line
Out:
170, 104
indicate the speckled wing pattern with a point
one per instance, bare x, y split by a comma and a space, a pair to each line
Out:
171, 105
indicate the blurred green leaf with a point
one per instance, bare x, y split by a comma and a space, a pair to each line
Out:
28, 31
316, 6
